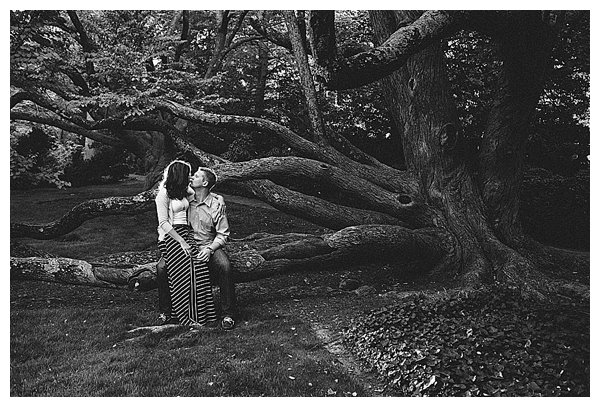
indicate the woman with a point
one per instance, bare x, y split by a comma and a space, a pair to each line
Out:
189, 281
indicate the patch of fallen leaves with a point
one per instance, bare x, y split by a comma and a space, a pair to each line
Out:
490, 342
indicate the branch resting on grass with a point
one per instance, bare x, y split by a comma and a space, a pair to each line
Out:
85, 211
259, 257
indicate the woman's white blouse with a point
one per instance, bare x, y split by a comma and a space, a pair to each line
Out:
179, 208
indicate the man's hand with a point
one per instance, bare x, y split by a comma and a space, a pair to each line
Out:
204, 254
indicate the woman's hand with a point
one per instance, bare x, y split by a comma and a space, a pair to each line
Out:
186, 247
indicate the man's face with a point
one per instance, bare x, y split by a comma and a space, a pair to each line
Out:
198, 179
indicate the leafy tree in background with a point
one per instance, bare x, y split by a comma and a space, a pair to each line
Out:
560, 130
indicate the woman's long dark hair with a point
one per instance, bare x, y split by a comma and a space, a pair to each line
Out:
177, 179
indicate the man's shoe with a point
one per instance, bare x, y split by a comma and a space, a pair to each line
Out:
227, 323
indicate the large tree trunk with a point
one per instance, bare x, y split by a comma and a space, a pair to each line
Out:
420, 104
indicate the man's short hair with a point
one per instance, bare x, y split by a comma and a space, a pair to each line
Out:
211, 176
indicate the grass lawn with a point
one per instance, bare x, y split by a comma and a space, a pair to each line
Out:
74, 341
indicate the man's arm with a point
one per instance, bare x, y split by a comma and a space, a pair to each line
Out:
222, 229
220, 240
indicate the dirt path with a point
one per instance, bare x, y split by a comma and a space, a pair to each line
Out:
316, 299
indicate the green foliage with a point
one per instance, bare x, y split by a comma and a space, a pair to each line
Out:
560, 140
41, 52
37, 158
134, 62
487, 342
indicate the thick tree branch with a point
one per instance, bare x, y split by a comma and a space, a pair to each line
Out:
61, 270
313, 209
370, 66
61, 109
67, 126
253, 259
359, 192
389, 178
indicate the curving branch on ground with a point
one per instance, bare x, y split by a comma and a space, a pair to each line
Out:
82, 212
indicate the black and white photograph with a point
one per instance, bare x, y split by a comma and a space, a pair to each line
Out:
299, 203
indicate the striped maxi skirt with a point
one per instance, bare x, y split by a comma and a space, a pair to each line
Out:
189, 280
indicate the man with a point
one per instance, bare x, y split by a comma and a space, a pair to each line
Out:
211, 230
